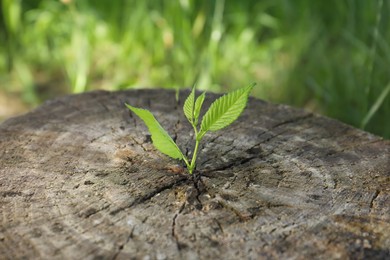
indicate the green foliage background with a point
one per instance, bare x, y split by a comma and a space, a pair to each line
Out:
331, 57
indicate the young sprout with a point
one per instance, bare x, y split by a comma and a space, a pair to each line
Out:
222, 112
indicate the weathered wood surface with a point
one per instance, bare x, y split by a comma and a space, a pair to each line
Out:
79, 179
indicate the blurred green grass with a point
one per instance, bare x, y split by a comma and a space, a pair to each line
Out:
331, 57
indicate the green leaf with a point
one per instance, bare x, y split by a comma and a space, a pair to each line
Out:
375, 106
198, 106
225, 110
161, 140
188, 107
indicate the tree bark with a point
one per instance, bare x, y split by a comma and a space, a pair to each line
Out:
80, 179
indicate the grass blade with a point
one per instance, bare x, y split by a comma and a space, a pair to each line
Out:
375, 106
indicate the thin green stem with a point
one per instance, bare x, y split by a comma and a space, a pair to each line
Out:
186, 161
193, 160
195, 130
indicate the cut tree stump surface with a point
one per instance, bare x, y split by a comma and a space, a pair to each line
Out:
80, 179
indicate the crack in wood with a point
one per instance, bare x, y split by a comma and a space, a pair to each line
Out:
229, 184
174, 233
92, 211
97, 138
196, 178
150, 195
218, 135
219, 156
234, 163
293, 120
141, 144
374, 197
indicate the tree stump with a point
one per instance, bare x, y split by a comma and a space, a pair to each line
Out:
80, 179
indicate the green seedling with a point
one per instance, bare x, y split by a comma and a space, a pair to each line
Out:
222, 112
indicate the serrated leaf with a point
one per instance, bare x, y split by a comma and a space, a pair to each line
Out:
198, 106
225, 110
188, 106
160, 138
